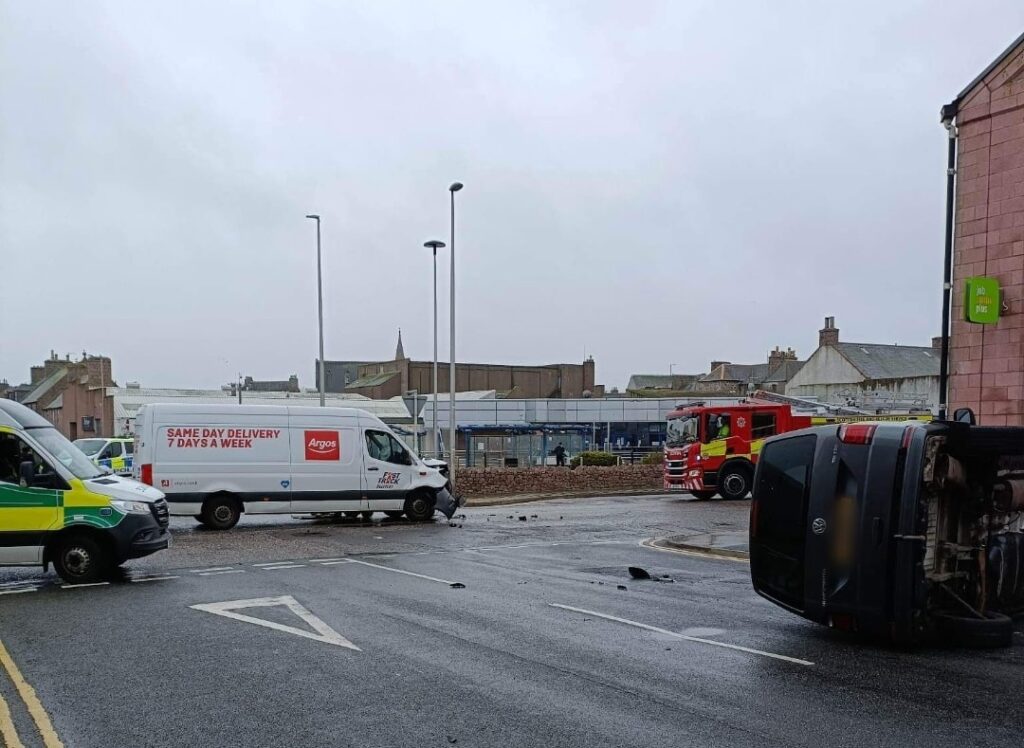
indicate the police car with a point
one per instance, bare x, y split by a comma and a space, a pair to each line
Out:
113, 454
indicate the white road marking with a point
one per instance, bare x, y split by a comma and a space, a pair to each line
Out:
221, 571
698, 639
18, 591
272, 563
76, 586
321, 560
335, 563
212, 568
22, 582
324, 633
649, 543
402, 571
283, 566
154, 579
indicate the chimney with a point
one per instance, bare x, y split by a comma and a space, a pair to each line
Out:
829, 334
716, 364
937, 342
37, 374
775, 358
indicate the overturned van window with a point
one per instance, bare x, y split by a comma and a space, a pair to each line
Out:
780, 519
384, 447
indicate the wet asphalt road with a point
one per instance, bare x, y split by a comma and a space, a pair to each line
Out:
539, 648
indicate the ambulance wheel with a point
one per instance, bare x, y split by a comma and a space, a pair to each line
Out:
734, 483
79, 559
419, 506
394, 515
221, 512
702, 495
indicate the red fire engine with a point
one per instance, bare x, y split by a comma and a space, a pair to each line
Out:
713, 449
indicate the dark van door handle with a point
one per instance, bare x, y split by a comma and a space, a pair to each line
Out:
372, 469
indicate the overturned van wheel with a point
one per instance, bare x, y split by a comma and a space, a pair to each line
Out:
394, 515
419, 506
221, 512
994, 630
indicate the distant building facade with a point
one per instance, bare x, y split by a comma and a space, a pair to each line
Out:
742, 379
987, 118
386, 379
72, 395
868, 375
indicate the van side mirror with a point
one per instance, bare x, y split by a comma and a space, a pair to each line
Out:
964, 415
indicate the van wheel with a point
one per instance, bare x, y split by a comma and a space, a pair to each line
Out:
221, 512
734, 483
367, 515
994, 630
419, 506
394, 515
79, 559
702, 495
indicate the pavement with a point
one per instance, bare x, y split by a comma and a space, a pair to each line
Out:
496, 631
727, 544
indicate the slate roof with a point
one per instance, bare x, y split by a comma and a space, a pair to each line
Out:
877, 361
45, 386
661, 381
785, 371
755, 373
373, 380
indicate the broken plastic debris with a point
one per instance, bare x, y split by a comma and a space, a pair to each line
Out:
522, 518
621, 587
457, 586
637, 573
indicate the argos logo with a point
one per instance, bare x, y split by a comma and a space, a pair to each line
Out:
323, 445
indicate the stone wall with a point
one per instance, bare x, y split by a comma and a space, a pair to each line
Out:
474, 482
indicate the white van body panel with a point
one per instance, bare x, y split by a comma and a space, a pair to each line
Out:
276, 459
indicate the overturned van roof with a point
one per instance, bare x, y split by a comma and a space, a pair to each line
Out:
17, 415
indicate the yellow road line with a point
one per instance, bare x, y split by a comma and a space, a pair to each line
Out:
28, 695
7, 731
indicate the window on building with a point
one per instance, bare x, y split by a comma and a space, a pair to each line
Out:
762, 425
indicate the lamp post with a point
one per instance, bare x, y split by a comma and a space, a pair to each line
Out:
452, 189
320, 309
415, 418
434, 244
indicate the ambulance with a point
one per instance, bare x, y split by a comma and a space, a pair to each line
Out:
215, 462
57, 506
115, 454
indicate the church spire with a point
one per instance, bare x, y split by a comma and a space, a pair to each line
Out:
399, 351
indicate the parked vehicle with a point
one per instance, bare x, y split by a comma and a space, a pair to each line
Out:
909, 531
114, 454
57, 506
215, 462
713, 449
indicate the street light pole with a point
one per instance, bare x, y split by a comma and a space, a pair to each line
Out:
320, 309
452, 189
434, 244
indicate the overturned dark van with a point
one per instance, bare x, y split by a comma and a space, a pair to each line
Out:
909, 531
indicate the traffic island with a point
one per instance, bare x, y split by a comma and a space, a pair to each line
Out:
725, 544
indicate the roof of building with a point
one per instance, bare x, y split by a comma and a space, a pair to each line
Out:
737, 373
661, 381
373, 380
45, 386
951, 108
57, 404
879, 361
784, 371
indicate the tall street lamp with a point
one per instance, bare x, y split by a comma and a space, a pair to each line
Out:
320, 308
434, 244
452, 189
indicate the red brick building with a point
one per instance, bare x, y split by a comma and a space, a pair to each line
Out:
987, 361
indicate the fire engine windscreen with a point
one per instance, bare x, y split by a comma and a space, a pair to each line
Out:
680, 431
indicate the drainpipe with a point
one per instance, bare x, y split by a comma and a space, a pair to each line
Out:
947, 279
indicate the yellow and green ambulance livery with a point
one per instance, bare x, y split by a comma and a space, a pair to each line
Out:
57, 506
114, 454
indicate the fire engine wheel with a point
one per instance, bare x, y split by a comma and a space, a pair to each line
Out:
734, 483
703, 495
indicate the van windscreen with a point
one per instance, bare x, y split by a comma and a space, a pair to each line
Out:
779, 519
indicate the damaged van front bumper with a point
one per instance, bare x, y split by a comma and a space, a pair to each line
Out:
448, 503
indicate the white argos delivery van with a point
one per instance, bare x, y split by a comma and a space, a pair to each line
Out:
216, 461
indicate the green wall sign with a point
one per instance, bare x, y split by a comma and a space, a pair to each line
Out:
981, 302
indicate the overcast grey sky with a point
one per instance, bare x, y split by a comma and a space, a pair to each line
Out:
653, 183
